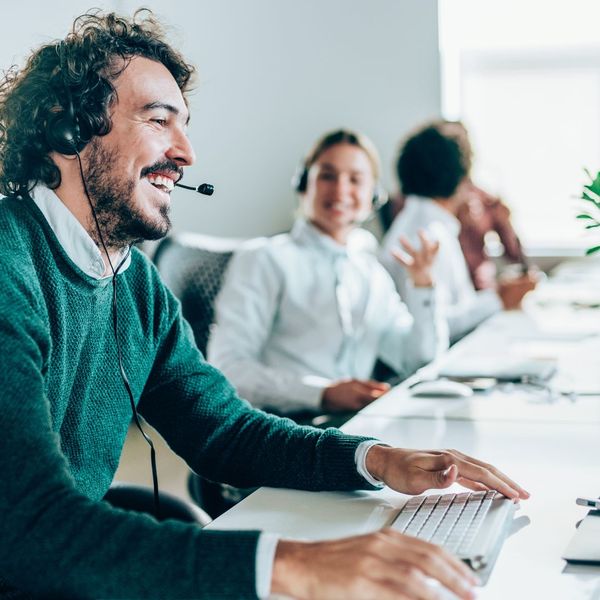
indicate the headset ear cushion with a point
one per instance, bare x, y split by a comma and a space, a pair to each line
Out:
300, 179
63, 135
380, 197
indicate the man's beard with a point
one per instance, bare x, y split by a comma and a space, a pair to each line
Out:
120, 221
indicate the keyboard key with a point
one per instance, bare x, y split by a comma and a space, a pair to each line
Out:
422, 515
473, 530
407, 513
466, 524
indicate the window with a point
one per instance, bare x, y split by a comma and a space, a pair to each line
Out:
525, 79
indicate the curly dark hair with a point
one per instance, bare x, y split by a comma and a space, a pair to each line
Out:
80, 69
433, 161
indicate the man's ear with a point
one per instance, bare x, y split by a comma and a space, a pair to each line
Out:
58, 158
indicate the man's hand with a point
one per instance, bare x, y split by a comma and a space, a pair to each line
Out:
352, 394
414, 471
418, 263
380, 565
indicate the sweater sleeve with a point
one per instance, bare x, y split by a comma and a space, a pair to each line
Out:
224, 439
56, 542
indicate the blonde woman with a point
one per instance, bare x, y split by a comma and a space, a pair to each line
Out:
301, 320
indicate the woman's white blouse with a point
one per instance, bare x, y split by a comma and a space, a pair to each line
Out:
301, 311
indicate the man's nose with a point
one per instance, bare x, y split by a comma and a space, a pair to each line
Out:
181, 150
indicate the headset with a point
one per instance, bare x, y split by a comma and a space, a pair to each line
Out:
63, 132
64, 135
300, 183
63, 128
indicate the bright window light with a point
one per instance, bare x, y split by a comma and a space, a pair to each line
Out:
524, 76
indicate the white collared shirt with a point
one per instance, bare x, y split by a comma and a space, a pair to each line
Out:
463, 306
301, 311
73, 237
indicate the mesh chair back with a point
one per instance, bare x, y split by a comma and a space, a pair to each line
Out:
192, 266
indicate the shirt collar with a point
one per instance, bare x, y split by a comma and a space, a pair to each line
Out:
358, 241
71, 234
434, 212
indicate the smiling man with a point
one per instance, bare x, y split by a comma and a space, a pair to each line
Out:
131, 171
92, 140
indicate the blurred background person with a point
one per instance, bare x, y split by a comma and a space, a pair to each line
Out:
481, 214
433, 170
301, 319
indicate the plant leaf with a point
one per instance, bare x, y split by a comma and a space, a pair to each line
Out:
595, 185
586, 196
583, 216
592, 250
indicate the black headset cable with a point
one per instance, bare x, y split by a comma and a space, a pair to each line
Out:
115, 322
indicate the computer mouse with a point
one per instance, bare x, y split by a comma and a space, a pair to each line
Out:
441, 388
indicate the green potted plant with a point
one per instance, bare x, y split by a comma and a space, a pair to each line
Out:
591, 210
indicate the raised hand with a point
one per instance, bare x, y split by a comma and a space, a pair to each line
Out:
419, 262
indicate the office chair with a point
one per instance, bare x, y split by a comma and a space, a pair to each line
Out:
141, 499
192, 266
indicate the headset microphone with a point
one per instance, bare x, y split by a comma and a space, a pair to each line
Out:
205, 188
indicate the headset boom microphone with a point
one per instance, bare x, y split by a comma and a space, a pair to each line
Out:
204, 188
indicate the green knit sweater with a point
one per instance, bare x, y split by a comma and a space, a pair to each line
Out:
64, 415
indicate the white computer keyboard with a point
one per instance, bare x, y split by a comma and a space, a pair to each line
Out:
470, 525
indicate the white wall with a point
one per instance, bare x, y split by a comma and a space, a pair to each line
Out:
273, 76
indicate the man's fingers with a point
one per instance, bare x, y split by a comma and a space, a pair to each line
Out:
470, 468
487, 468
487, 477
434, 562
445, 478
472, 485
385, 564
402, 577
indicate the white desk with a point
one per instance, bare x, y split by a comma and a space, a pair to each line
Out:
555, 462
529, 334
551, 448
508, 404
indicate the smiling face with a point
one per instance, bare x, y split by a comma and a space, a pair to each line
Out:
131, 172
339, 190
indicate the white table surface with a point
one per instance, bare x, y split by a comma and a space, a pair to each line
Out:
555, 462
548, 443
